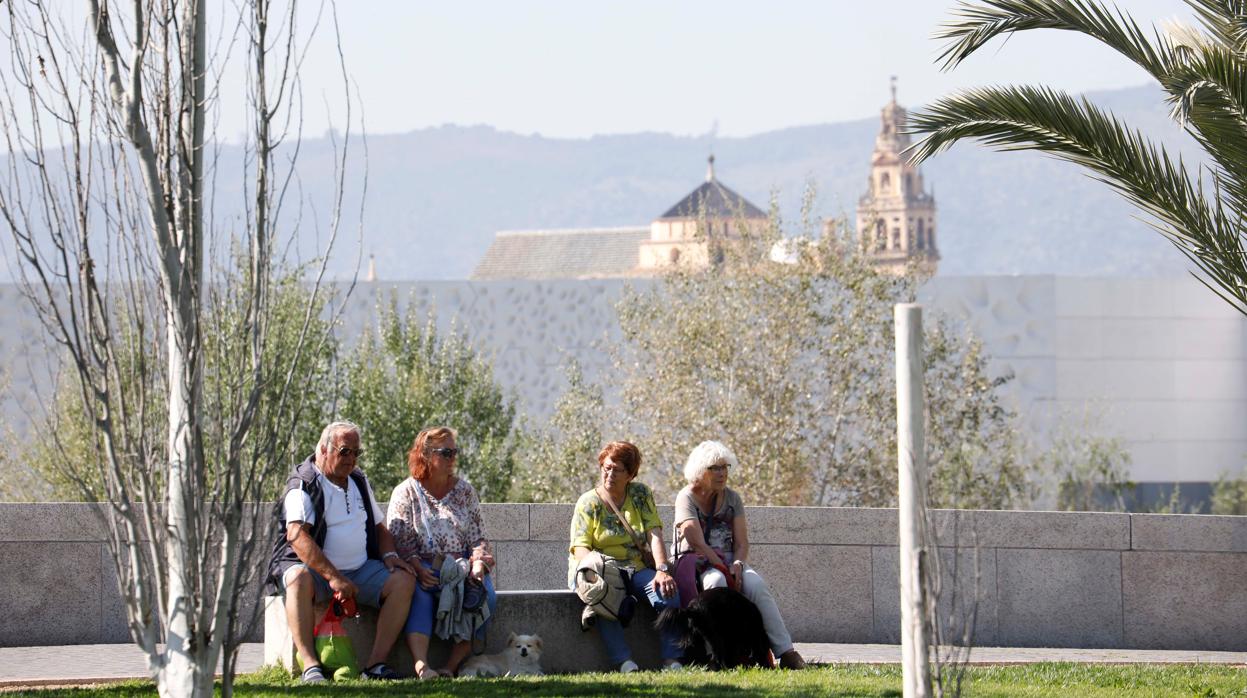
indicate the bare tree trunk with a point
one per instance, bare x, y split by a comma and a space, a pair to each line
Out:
181, 534
190, 660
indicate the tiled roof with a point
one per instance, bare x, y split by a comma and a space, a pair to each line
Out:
718, 202
591, 253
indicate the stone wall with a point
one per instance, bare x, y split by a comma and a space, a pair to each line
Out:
1045, 579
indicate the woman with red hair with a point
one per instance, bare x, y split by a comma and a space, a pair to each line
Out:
597, 528
435, 515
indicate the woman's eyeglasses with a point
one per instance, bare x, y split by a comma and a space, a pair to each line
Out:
445, 452
718, 468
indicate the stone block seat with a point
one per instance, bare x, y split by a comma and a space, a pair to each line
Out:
552, 614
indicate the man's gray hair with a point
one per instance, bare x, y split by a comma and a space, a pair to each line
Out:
705, 455
335, 428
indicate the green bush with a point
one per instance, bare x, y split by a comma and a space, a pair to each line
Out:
403, 377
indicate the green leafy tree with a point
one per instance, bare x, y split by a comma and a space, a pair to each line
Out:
979, 460
791, 364
1091, 471
288, 416
559, 461
1229, 495
22, 482
403, 377
1203, 71
67, 461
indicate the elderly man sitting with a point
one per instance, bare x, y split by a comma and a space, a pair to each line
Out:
331, 538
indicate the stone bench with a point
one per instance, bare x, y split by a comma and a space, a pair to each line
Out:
554, 615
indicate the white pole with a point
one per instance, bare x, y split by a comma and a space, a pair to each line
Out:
912, 490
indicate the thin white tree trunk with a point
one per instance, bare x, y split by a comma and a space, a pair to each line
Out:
179, 675
912, 490
190, 664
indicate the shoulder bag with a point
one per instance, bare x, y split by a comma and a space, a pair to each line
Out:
647, 555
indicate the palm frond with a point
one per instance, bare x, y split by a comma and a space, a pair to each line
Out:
977, 24
1208, 92
1226, 20
1073, 129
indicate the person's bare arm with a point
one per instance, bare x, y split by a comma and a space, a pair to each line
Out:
385, 543
663, 581
657, 546
740, 546
740, 538
297, 534
579, 553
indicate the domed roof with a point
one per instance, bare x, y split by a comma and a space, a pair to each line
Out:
713, 200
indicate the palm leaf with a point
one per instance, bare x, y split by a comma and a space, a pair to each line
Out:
977, 24
1208, 91
1225, 20
1038, 118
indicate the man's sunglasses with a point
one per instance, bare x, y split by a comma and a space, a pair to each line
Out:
445, 452
344, 451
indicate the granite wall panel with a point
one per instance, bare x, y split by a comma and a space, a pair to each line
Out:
52, 593
967, 592
1059, 598
1185, 600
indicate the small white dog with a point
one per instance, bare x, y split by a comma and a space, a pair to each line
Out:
521, 656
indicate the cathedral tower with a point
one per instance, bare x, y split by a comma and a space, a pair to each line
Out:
896, 217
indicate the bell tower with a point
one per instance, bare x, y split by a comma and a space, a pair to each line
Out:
896, 216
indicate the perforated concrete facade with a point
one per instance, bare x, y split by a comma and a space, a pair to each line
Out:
1161, 359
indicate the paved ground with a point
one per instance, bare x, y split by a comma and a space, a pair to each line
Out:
891, 654
82, 664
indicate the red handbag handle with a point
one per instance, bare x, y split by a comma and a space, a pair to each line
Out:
340, 608
731, 579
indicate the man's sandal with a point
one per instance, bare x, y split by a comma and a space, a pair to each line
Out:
378, 672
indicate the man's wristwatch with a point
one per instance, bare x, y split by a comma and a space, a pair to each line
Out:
663, 567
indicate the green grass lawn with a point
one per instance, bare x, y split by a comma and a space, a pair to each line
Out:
1055, 679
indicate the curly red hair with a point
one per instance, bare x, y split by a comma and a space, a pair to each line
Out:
623, 453
417, 459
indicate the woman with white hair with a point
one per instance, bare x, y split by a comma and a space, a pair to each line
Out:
710, 523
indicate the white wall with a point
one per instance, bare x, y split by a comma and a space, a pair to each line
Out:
1160, 361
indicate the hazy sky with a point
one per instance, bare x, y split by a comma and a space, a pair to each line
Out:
575, 68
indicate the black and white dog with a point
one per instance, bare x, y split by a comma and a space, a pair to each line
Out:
720, 629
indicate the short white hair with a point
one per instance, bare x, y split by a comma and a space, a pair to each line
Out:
332, 429
705, 455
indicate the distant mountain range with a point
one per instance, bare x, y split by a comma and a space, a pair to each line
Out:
436, 196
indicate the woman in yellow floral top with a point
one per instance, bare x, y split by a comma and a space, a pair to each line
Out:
595, 528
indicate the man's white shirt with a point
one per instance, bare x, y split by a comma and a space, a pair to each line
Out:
346, 537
